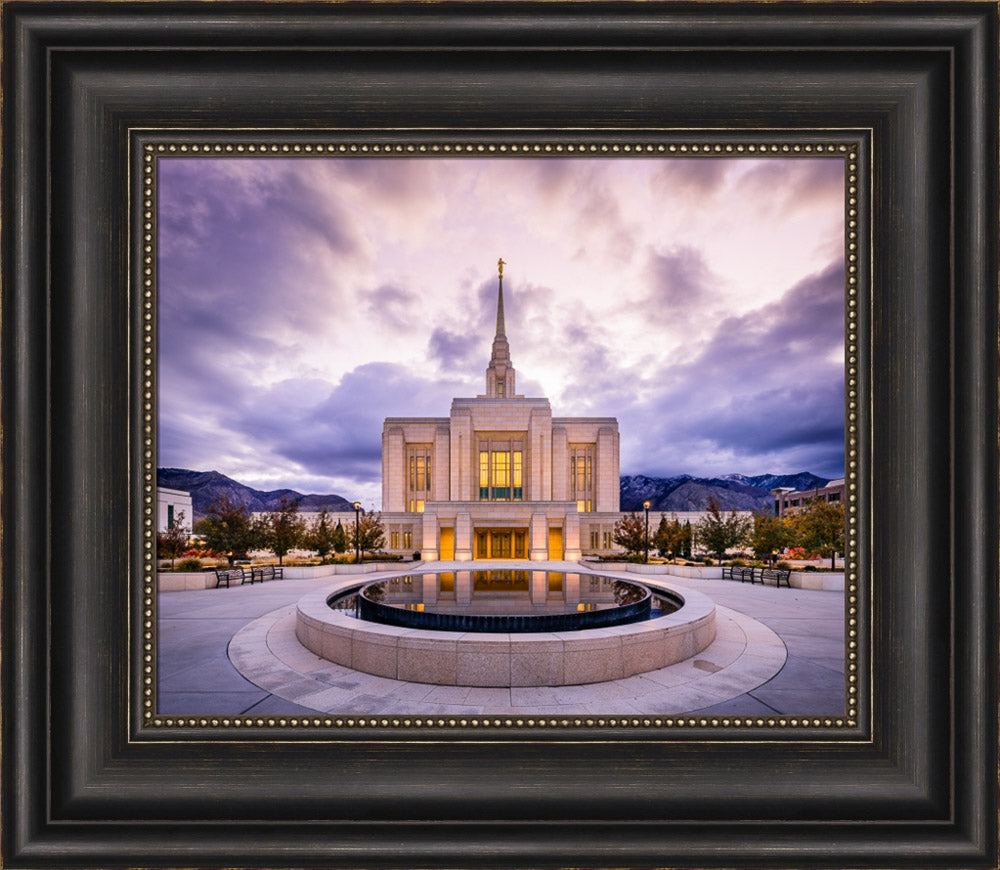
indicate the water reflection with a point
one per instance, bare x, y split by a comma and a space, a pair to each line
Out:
506, 592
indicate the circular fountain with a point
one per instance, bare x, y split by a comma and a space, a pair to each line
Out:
505, 628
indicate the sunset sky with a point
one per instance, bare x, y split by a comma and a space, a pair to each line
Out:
302, 300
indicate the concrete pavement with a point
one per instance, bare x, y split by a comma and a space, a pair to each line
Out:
233, 651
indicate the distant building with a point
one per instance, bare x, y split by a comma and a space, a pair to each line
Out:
788, 500
500, 477
169, 504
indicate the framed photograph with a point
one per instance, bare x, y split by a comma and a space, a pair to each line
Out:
284, 241
531, 555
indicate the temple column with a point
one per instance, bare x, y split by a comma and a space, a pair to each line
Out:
463, 537
539, 551
429, 546
571, 537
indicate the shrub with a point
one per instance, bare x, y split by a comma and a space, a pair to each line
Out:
786, 566
189, 565
738, 563
707, 561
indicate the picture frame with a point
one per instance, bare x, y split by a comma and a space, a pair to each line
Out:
88, 782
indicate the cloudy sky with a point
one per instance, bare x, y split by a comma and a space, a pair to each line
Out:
302, 300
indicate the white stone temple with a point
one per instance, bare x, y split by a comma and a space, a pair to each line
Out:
500, 477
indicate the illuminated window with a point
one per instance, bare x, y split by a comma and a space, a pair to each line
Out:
501, 471
419, 478
581, 476
501, 475
607, 540
394, 540
500, 390
484, 474
407, 540
594, 537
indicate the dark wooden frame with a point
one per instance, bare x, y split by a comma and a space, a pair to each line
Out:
85, 785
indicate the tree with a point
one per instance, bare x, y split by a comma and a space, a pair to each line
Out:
371, 532
227, 527
341, 541
719, 533
172, 542
285, 529
322, 534
630, 533
820, 528
672, 539
770, 533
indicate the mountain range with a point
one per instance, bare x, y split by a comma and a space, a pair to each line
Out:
731, 491
681, 493
206, 486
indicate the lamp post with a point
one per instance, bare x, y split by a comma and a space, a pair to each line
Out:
357, 532
645, 506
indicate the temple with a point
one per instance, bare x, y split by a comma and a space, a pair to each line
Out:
500, 477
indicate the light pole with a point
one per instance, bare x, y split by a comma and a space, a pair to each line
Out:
357, 532
645, 505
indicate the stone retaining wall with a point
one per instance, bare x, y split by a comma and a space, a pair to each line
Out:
176, 581
825, 581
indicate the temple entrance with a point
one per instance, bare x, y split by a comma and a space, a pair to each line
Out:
555, 544
501, 544
447, 544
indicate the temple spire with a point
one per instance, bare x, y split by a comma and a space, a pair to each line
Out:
500, 373
501, 329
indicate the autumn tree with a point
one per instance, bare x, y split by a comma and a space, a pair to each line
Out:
341, 540
285, 529
371, 532
227, 527
630, 533
770, 533
173, 541
718, 532
819, 526
321, 535
673, 538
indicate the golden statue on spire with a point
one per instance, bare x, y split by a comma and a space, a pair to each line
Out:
500, 266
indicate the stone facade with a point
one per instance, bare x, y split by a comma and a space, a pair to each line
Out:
500, 477
789, 501
170, 504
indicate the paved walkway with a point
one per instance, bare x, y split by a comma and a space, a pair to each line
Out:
233, 651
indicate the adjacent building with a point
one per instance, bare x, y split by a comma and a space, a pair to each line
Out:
789, 501
500, 477
170, 504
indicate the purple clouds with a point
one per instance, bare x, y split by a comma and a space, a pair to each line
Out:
301, 301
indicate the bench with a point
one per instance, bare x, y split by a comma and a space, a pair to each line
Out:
778, 575
735, 572
228, 575
266, 572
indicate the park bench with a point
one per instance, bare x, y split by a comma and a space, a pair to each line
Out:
266, 572
778, 575
228, 575
735, 572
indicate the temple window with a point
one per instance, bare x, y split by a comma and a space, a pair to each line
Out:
581, 476
501, 471
419, 478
